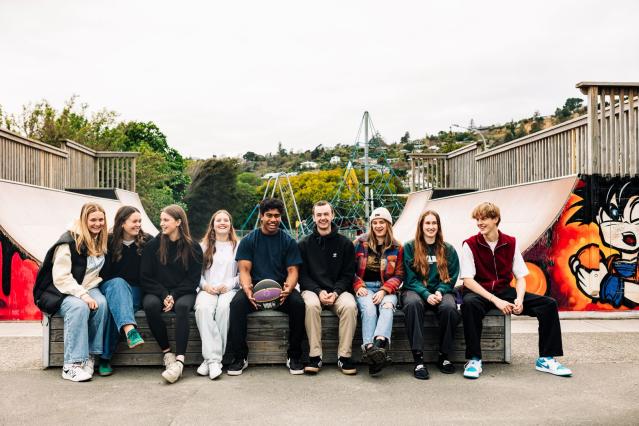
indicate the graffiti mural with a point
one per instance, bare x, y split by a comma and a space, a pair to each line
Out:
589, 257
17, 275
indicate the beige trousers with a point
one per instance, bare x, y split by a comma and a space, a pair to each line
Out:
346, 310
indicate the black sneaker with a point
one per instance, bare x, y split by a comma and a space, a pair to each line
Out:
374, 369
421, 372
377, 353
314, 365
444, 365
294, 365
237, 366
347, 365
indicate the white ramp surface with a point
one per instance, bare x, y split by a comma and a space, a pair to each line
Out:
406, 224
527, 210
34, 217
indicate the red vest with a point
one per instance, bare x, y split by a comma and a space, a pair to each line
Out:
493, 271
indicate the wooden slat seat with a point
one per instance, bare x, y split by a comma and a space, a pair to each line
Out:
268, 340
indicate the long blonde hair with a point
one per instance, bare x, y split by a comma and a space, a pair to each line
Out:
420, 261
95, 246
209, 239
389, 239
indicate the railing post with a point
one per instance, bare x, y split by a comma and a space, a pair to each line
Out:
593, 153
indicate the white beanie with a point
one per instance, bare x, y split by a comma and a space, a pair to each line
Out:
381, 213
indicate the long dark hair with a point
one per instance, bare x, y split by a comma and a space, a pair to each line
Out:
184, 243
117, 233
420, 262
209, 239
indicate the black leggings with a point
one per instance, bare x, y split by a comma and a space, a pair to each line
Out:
153, 308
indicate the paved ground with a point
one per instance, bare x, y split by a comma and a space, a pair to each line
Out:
604, 356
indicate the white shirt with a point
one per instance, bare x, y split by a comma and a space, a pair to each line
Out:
468, 270
223, 270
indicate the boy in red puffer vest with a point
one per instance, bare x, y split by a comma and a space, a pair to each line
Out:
489, 261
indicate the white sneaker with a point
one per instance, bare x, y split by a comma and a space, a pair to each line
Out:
472, 369
552, 366
173, 372
89, 365
203, 369
75, 373
215, 370
169, 358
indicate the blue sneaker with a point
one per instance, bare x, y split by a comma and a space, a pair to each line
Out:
472, 369
548, 364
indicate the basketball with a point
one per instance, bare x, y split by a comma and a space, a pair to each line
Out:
267, 294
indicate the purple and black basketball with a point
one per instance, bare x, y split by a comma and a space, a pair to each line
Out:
267, 294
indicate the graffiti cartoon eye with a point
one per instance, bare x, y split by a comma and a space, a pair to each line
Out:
615, 214
634, 212
604, 217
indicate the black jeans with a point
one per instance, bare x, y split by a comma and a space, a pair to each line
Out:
448, 318
153, 309
241, 307
544, 308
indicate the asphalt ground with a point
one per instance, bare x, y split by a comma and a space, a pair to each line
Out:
603, 389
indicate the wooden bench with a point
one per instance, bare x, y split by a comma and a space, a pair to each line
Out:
268, 340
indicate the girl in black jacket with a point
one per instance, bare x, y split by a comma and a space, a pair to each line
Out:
170, 274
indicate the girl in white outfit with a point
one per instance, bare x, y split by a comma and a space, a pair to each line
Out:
219, 283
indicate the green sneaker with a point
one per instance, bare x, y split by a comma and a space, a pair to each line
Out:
104, 368
133, 338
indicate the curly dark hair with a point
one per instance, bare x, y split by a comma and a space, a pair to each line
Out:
270, 204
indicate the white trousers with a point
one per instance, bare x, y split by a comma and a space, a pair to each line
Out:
212, 316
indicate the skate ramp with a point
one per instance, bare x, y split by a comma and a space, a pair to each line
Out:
527, 210
34, 217
406, 223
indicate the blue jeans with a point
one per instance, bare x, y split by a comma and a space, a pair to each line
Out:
123, 300
376, 319
83, 328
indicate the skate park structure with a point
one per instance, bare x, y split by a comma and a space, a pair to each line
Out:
569, 193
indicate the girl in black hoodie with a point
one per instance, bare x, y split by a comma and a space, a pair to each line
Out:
170, 274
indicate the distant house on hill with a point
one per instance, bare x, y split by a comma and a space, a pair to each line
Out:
335, 160
273, 175
309, 165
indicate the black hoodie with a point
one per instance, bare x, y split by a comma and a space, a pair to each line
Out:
328, 262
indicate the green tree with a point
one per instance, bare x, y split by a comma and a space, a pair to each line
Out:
214, 187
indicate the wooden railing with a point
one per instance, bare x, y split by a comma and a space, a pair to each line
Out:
70, 166
604, 141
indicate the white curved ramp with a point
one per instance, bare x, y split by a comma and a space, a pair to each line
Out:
527, 210
34, 217
406, 224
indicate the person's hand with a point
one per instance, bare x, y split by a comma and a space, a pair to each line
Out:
505, 307
324, 297
332, 297
209, 289
519, 306
432, 299
439, 296
220, 289
379, 296
93, 305
286, 291
362, 291
249, 295
168, 303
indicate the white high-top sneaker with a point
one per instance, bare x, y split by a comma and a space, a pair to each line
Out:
89, 365
75, 373
173, 372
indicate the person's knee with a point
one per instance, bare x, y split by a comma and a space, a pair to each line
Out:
79, 310
312, 307
152, 304
388, 305
182, 308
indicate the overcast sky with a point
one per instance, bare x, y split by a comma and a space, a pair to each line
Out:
224, 77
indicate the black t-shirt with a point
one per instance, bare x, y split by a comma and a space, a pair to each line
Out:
373, 264
270, 255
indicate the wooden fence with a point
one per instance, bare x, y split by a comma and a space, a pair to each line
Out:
70, 166
604, 141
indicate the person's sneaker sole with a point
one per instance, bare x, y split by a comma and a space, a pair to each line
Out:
311, 370
105, 373
547, 370
237, 372
293, 372
136, 344
349, 371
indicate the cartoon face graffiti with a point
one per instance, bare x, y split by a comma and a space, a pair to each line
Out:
613, 279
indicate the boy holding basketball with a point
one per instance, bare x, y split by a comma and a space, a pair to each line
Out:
326, 275
267, 253
489, 261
